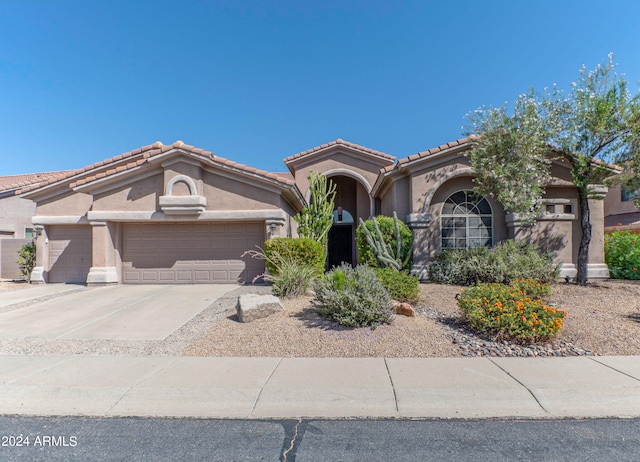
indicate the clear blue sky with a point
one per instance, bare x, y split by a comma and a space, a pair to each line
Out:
256, 81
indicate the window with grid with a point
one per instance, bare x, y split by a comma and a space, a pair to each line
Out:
466, 221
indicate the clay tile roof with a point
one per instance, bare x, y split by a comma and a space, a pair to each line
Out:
432, 151
13, 182
145, 153
340, 141
102, 163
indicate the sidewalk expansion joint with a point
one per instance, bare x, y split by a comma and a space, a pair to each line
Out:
393, 387
613, 368
255, 403
533, 395
150, 374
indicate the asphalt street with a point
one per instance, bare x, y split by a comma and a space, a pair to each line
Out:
147, 439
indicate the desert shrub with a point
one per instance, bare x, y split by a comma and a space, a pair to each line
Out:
27, 259
388, 231
304, 251
509, 313
622, 254
290, 276
401, 285
533, 288
507, 261
353, 297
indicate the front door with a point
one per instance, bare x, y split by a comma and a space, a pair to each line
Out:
340, 247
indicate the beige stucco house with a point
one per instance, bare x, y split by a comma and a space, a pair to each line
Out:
621, 212
180, 214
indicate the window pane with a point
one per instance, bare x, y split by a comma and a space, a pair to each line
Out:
475, 222
448, 207
459, 197
459, 222
447, 222
484, 207
447, 232
460, 232
448, 243
461, 243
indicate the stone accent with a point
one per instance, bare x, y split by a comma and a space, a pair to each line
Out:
254, 306
403, 309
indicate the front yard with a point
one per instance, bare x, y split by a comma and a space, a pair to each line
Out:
602, 319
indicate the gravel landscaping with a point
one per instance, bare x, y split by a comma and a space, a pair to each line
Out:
603, 319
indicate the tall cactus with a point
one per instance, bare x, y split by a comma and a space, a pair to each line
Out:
385, 253
315, 220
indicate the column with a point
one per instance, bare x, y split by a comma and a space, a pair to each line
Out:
420, 224
103, 270
597, 269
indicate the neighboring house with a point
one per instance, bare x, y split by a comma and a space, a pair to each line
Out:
16, 228
179, 214
620, 210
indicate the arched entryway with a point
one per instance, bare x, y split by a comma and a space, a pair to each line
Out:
352, 202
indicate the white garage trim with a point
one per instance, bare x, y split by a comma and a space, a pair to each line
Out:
217, 215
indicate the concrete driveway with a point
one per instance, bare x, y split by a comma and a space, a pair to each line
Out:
123, 312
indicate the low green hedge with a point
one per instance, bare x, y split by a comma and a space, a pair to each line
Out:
503, 263
622, 254
301, 250
402, 286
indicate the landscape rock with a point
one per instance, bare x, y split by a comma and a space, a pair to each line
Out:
405, 309
255, 306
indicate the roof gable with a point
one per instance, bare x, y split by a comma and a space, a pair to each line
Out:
339, 145
118, 166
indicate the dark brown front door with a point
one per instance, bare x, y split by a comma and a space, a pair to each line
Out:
340, 246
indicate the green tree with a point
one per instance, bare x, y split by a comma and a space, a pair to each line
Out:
27, 259
596, 123
315, 220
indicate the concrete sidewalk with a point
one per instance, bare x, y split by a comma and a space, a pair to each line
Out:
467, 388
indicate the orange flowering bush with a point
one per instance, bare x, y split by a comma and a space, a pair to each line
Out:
514, 312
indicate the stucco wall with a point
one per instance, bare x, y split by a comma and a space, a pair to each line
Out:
9, 268
140, 195
613, 204
339, 162
225, 193
15, 216
70, 203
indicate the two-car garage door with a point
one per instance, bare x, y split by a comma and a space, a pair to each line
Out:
190, 252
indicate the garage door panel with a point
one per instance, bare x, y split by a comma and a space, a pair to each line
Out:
191, 252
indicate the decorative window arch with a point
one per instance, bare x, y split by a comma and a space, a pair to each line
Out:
466, 221
342, 216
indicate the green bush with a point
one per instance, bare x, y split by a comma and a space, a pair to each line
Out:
289, 277
401, 285
27, 259
505, 262
353, 297
304, 251
387, 228
511, 313
622, 254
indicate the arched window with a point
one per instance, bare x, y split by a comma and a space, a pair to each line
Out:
466, 221
342, 216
